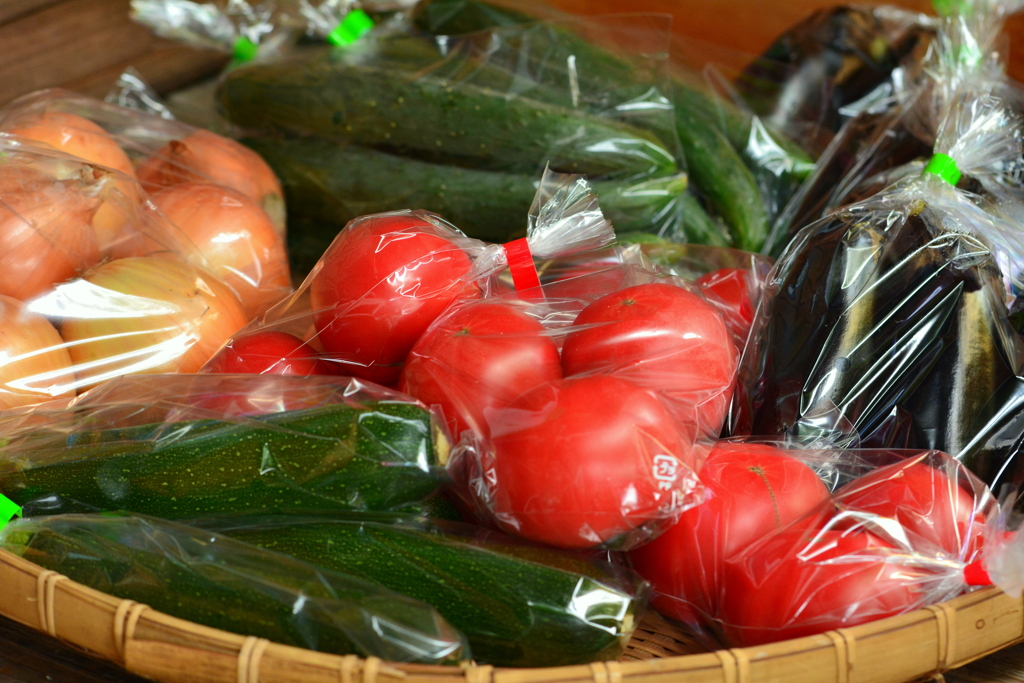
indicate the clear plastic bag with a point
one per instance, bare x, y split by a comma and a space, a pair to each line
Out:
791, 541
519, 605
178, 446
386, 277
222, 196
741, 170
584, 406
572, 112
213, 580
891, 315
96, 283
899, 126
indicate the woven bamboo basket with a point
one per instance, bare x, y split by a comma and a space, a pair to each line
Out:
161, 647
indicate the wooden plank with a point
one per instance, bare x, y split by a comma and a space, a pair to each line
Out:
68, 42
12, 9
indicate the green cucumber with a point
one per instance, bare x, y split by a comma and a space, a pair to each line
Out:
726, 182
517, 605
374, 457
433, 118
222, 583
328, 184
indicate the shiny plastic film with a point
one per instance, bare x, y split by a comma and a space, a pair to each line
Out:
557, 608
964, 59
426, 119
792, 540
899, 326
178, 446
220, 194
584, 408
386, 277
213, 580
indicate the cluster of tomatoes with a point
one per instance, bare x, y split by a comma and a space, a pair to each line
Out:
770, 554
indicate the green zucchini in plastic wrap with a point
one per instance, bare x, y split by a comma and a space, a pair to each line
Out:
218, 582
372, 450
518, 605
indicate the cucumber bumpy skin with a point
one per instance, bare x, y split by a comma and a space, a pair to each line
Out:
330, 184
338, 457
436, 120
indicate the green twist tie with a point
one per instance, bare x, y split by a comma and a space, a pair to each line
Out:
353, 27
948, 8
945, 167
245, 50
8, 510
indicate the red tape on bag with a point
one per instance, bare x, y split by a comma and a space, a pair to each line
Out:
520, 262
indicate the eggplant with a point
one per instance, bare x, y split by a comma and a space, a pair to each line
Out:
814, 73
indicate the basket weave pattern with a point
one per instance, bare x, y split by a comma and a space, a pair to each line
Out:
149, 643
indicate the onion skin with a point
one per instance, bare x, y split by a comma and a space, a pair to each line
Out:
207, 157
80, 137
46, 232
34, 362
237, 238
182, 315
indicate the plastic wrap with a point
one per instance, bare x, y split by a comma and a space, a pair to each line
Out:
826, 68
222, 196
518, 604
891, 315
386, 277
899, 126
741, 171
794, 541
96, 283
585, 406
601, 116
218, 582
178, 446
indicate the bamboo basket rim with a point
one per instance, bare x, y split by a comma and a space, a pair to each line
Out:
155, 645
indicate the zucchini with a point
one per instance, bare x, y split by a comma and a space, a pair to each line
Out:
374, 457
433, 118
330, 184
517, 605
221, 583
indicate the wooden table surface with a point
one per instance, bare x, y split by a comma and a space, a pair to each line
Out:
27, 656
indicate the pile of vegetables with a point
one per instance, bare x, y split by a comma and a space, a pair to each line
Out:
535, 375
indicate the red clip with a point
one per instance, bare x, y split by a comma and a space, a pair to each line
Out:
975, 575
520, 262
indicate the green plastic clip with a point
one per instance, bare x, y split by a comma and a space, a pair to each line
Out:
948, 8
8, 510
245, 50
353, 27
945, 167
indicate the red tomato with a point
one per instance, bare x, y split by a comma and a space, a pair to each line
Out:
267, 353
730, 289
936, 510
382, 282
482, 357
579, 462
585, 281
797, 583
663, 337
751, 490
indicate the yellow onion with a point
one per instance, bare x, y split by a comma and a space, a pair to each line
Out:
143, 315
46, 234
236, 237
207, 157
80, 137
34, 363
